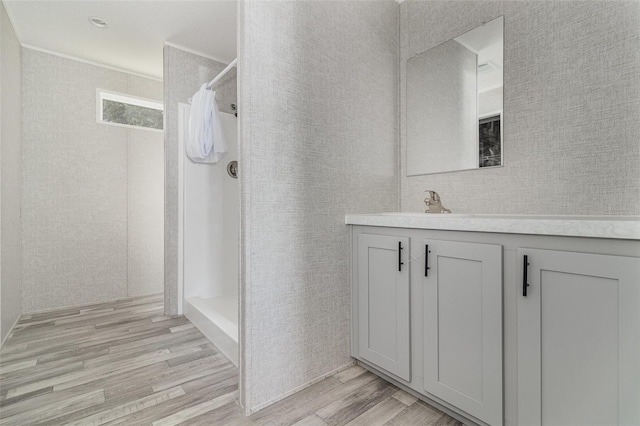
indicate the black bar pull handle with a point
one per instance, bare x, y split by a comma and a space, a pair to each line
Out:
426, 260
525, 272
400, 256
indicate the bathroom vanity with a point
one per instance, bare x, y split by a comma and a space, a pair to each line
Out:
502, 319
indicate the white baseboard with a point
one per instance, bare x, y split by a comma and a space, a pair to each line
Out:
299, 388
87, 304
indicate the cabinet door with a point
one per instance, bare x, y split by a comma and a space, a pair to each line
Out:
383, 302
578, 339
462, 306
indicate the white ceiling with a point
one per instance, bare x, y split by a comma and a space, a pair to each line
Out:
487, 42
136, 33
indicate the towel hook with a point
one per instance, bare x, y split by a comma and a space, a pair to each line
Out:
232, 169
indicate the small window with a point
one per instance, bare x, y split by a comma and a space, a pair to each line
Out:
124, 110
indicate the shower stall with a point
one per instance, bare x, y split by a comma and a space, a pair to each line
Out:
208, 233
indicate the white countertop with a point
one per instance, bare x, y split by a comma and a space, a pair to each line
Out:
617, 227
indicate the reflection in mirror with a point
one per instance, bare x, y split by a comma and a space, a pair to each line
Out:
454, 103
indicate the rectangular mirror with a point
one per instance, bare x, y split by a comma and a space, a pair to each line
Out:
454, 103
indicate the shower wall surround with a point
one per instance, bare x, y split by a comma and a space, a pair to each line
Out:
318, 108
92, 225
10, 146
571, 107
184, 73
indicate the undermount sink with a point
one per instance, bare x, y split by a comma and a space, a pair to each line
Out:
510, 216
417, 214
551, 217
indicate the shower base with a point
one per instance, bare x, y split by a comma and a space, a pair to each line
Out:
217, 319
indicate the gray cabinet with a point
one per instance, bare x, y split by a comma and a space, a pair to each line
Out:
383, 303
467, 340
462, 326
578, 339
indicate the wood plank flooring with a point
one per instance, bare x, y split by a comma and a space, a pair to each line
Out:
125, 363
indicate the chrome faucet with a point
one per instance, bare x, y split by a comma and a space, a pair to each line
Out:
434, 205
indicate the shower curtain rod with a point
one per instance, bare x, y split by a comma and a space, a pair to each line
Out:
224, 71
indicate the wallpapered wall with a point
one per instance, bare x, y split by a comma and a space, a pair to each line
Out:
318, 109
92, 226
184, 73
571, 107
10, 147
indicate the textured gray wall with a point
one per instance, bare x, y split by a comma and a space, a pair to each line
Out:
10, 166
184, 73
145, 212
75, 227
318, 110
571, 107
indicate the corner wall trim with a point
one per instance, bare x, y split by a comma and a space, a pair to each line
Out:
88, 62
10, 331
195, 52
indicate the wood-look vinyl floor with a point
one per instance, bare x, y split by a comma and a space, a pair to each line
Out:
125, 363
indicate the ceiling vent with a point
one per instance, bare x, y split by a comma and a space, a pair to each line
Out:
486, 67
97, 22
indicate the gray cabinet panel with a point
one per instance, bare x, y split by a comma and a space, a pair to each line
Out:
579, 339
462, 302
383, 303
571, 348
